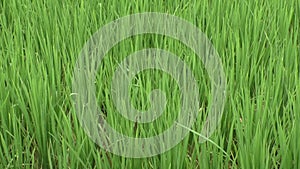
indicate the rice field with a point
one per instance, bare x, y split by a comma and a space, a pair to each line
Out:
258, 44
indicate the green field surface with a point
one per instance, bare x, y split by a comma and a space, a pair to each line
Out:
258, 43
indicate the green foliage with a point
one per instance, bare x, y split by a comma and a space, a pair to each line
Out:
259, 45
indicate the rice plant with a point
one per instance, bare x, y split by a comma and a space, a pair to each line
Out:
258, 43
